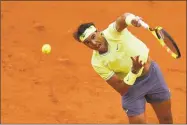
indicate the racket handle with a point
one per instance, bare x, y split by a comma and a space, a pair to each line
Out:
143, 24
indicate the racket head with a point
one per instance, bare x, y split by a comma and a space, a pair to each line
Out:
166, 41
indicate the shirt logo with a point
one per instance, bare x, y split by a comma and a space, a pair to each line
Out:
127, 78
126, 110
117, 47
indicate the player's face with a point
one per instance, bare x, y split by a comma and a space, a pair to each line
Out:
96, 41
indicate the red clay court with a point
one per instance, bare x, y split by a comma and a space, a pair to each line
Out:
62, 87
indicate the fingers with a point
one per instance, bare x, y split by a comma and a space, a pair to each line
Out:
137, 58
151, 29
137, 64
133, 59
143, 64
137, 61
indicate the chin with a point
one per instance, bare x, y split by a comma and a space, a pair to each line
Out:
102, 49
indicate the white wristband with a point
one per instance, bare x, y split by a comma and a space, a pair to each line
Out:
129, 19
130, 78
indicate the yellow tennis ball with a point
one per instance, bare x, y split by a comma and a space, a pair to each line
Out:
46, 49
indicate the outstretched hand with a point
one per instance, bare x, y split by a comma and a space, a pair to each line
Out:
137, 65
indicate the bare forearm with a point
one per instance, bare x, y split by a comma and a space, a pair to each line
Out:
120, 86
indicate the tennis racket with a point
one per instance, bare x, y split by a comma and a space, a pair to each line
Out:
164, 38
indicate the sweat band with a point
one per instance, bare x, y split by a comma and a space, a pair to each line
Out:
129, 18
87, 32
130, 78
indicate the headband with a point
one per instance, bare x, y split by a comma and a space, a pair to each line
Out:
87, 32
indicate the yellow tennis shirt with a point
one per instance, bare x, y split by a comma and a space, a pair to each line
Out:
121, 46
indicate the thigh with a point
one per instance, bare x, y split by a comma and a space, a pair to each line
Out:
135, 110
160, 92
133, 102
159, 97
163, 111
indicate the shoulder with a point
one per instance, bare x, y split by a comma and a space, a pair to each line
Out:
100, 67
96, 59
111, 28
111, 31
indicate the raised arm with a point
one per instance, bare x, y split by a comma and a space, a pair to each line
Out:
125, 20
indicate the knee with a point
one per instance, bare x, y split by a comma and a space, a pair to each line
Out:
138, 119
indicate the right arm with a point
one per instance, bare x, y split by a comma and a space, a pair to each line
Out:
123, 85
118, 84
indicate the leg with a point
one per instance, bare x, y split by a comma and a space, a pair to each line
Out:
161, 104
134, 100
138, 119
159, 98
163, 111
135, 111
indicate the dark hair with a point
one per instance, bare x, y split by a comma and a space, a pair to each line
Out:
81, 29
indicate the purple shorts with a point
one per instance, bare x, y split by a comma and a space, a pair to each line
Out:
150, 87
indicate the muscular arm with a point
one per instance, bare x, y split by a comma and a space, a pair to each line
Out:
118, 84
121, 23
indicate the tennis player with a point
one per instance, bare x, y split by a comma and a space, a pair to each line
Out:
123, 61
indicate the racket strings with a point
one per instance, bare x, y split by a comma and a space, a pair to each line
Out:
170, 45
